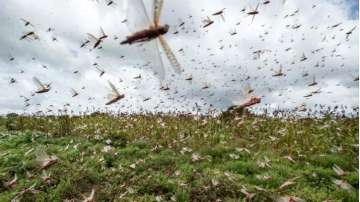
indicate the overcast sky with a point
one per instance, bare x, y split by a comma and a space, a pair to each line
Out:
212, 56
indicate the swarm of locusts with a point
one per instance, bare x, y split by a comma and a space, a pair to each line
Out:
99, 156
244, 152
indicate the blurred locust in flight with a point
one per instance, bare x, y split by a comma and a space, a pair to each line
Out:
279, 72
26, 22
254, 13
221, 13
145, 30
313, 83
29, 35
115, 95
208, 22
74, 93
99, 40
42, 88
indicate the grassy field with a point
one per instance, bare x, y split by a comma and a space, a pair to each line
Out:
183, 158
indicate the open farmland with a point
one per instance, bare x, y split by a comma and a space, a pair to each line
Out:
183, 158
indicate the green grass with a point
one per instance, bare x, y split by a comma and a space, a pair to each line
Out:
153, 158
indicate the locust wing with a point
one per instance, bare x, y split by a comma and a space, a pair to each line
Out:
207, 20
222, 17
158, 4
252, 19
92, 38
100, 70
257, 6
256, 9
74, 92
156, 62
170, 55
115, 92
247, 90
137, 16
102, 32
38, 83
352, 29
41, 155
